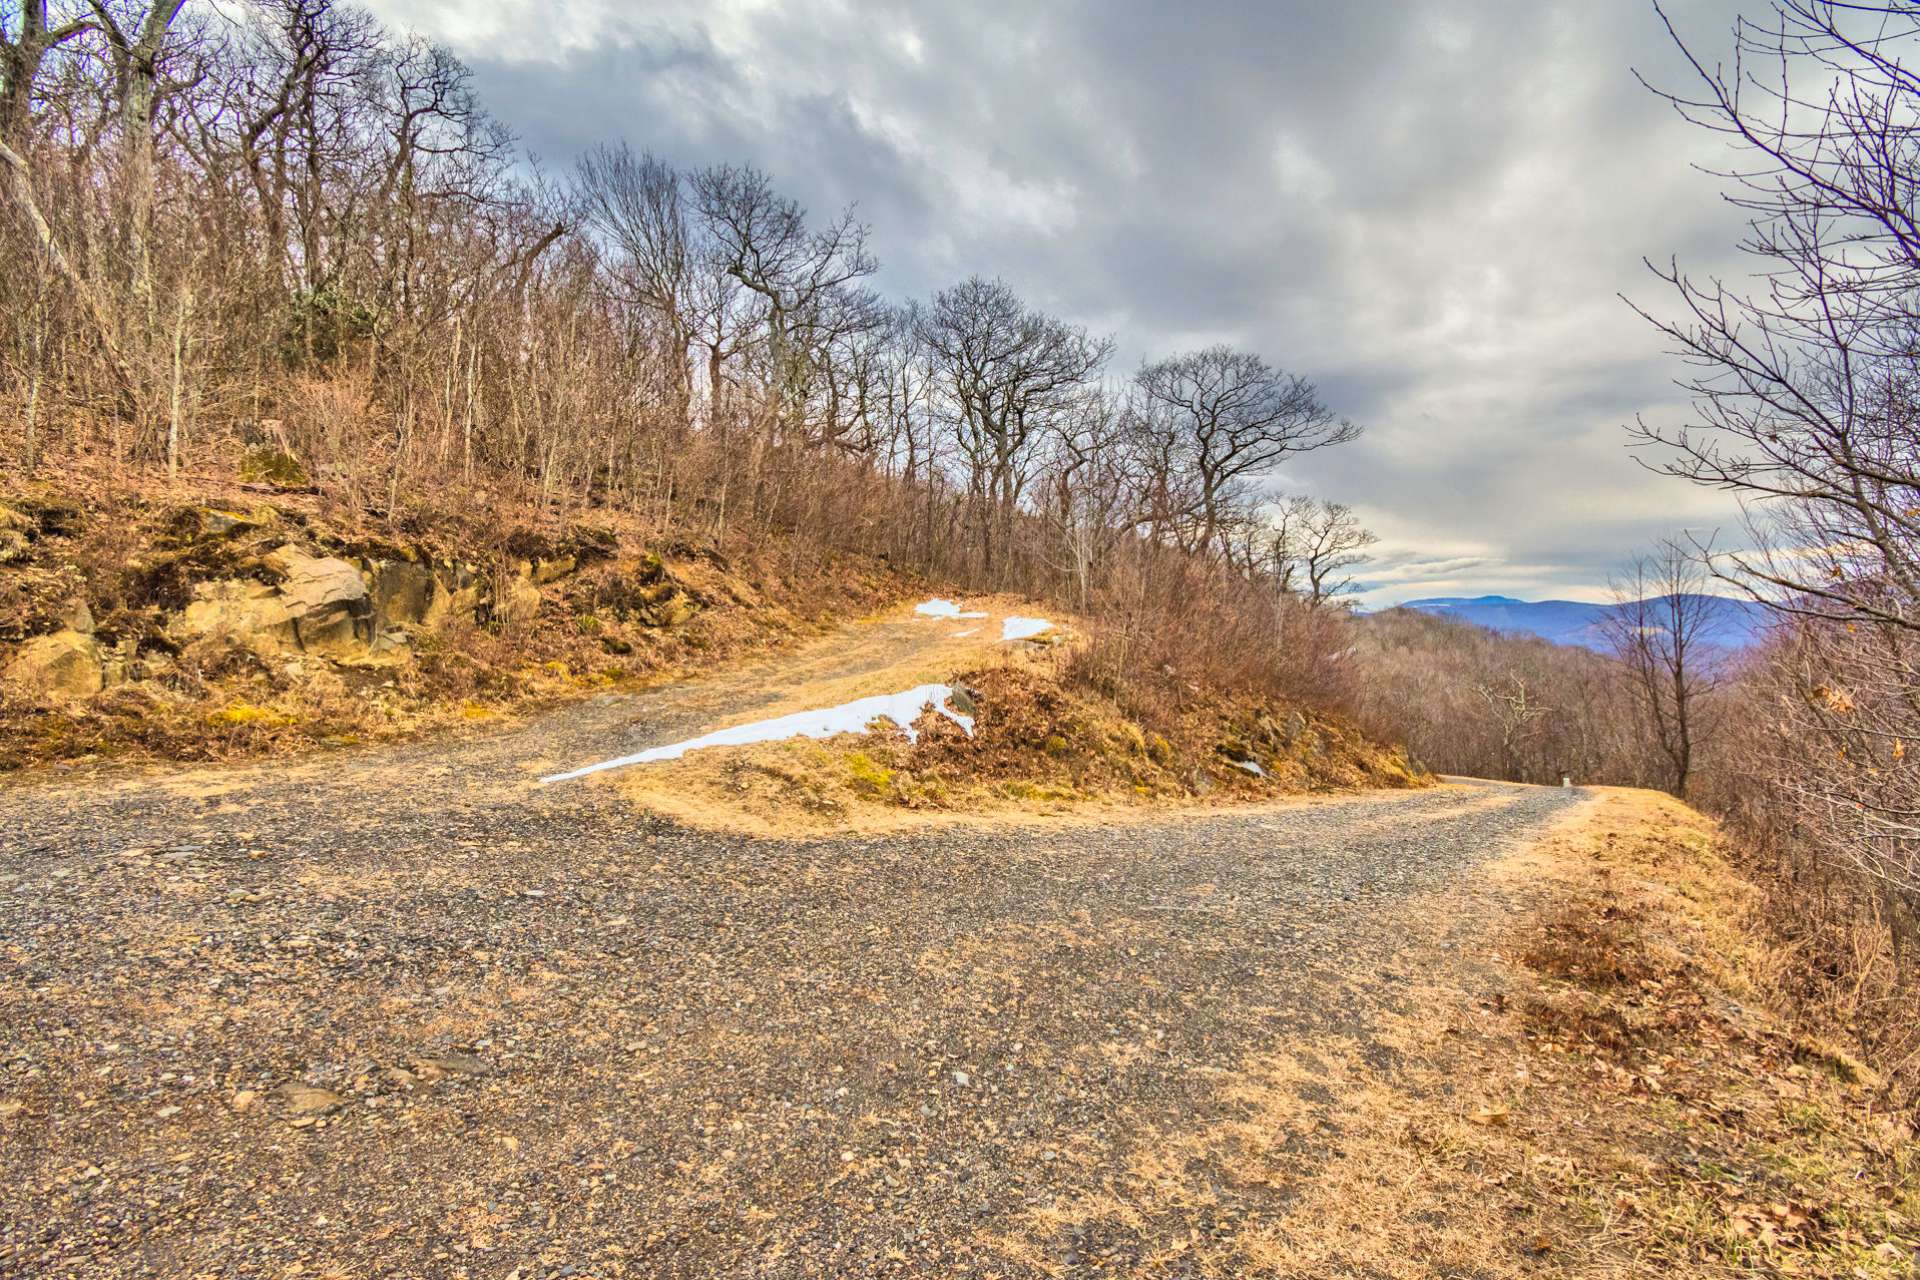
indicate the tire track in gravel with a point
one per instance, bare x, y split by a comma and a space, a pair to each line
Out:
561, 1035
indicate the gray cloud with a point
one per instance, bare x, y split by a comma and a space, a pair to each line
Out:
1429, 207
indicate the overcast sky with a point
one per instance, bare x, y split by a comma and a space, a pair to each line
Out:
1426, 206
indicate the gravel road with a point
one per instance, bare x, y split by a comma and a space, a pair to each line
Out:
403, 1013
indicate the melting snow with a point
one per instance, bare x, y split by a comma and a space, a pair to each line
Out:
943, 609
961, 635
1023, 628
852, 717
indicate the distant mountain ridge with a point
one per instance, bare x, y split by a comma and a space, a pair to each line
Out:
1732, 624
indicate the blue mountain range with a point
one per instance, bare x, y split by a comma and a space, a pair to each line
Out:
1732, 624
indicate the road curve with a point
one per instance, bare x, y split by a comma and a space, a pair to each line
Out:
554, 1034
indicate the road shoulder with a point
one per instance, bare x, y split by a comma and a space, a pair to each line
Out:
1597, 1087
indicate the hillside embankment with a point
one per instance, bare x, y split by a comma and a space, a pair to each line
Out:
193, 622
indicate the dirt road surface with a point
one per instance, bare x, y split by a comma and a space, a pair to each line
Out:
406, 1013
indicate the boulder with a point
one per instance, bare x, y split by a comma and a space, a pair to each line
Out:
401, 592
456, 594
264, 464
664, 604
676, 610
545, 571
326, 598
65, 664
519, 601
252, 613
317, 585
191, 525
121, 661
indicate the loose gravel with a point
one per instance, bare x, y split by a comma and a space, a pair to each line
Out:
405, 1013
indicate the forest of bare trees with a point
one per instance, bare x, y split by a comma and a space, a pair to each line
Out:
278, 230
1471, 701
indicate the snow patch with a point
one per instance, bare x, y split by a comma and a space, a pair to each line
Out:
942, 609
961, 635
1252, 767
1023, 628
850, 717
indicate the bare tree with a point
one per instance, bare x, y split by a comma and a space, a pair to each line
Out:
136, 49
1228, 417
1009, 376
634, 203
1805, 390
1807, 407
1517, 713
21, 55
1092, 490
761, 239
1310, 546
1661, 628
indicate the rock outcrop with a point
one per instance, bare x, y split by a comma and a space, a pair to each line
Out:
326, 602
266, 582
519, 599
250, 613
65, 665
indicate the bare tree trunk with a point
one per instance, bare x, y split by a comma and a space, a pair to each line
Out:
34, 378
173, 408
20, 60
137, 65
20, 187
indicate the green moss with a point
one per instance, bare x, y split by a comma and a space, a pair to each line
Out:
1055, 745
264, 464
247, 713
868, 776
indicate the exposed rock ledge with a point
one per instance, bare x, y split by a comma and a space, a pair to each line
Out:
278, 594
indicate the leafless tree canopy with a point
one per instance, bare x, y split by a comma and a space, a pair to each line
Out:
1311, 544
1661, 629
1804, 388
277, 225
1216, 420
